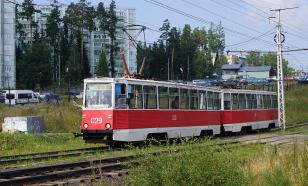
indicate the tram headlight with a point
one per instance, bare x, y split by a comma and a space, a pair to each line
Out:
108, 126
85, 125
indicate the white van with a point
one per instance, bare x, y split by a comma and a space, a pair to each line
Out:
15, 97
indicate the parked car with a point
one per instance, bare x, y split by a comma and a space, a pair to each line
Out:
303, 79
254, 81
242, 81
229, 83
290, 78
2, 97
203, 82
79, 96
13, 97
73, 91
49, 97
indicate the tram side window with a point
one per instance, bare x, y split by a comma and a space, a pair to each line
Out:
210, 102
264, 101
227, 101
184, 99
174, 98
193, 99
259, 101
235, 102
254, 101
269, 103
135, 100
120, 96
242, 101
202, 100
251, 101
150, 97
274, 101
216, 100
163, 96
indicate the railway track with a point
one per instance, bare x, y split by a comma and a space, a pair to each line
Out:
101, 167
10, 159
62, 171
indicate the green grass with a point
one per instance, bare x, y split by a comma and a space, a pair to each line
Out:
29, 143
297, 105
253, 165
63, 117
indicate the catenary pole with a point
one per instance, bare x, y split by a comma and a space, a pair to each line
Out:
279, 39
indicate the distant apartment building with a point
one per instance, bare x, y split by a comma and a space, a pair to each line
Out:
234, 59
7, 44
94, 41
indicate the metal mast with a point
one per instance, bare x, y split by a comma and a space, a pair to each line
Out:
279, 39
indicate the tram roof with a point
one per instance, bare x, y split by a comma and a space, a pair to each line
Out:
170, 84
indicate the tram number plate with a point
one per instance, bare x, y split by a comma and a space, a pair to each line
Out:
96, 120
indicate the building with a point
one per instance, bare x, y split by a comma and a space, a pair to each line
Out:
234, 59
257, 72
230, 71
40, 18
239, 70
95, 40
7, 45
125, 17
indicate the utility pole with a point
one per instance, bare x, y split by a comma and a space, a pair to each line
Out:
279, 39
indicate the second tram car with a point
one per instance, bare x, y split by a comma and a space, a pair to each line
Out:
133, 110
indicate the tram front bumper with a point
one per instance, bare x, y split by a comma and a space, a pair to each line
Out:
94, 135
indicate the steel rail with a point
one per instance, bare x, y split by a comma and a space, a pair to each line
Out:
10, 159
66, 170
52, 152
52, 155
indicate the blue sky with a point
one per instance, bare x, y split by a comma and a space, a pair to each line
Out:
244, 21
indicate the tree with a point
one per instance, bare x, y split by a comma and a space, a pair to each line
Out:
102, 16
216, 45
202, 65
255, 58
102, 68
165, 30
73, 65
188, 49
173, 50
28, 11
34, 67
21, 35
112, 34
53, 35
200, 38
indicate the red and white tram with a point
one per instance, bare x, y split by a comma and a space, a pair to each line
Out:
132, 110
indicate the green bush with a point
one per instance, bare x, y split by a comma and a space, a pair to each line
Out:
190, 166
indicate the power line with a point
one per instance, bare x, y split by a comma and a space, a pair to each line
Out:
267, 14
247, 41
157, 3
300, 35
218, 15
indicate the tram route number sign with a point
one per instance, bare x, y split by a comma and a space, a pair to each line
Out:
96, 120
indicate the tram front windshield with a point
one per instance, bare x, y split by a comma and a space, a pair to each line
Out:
98, 95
